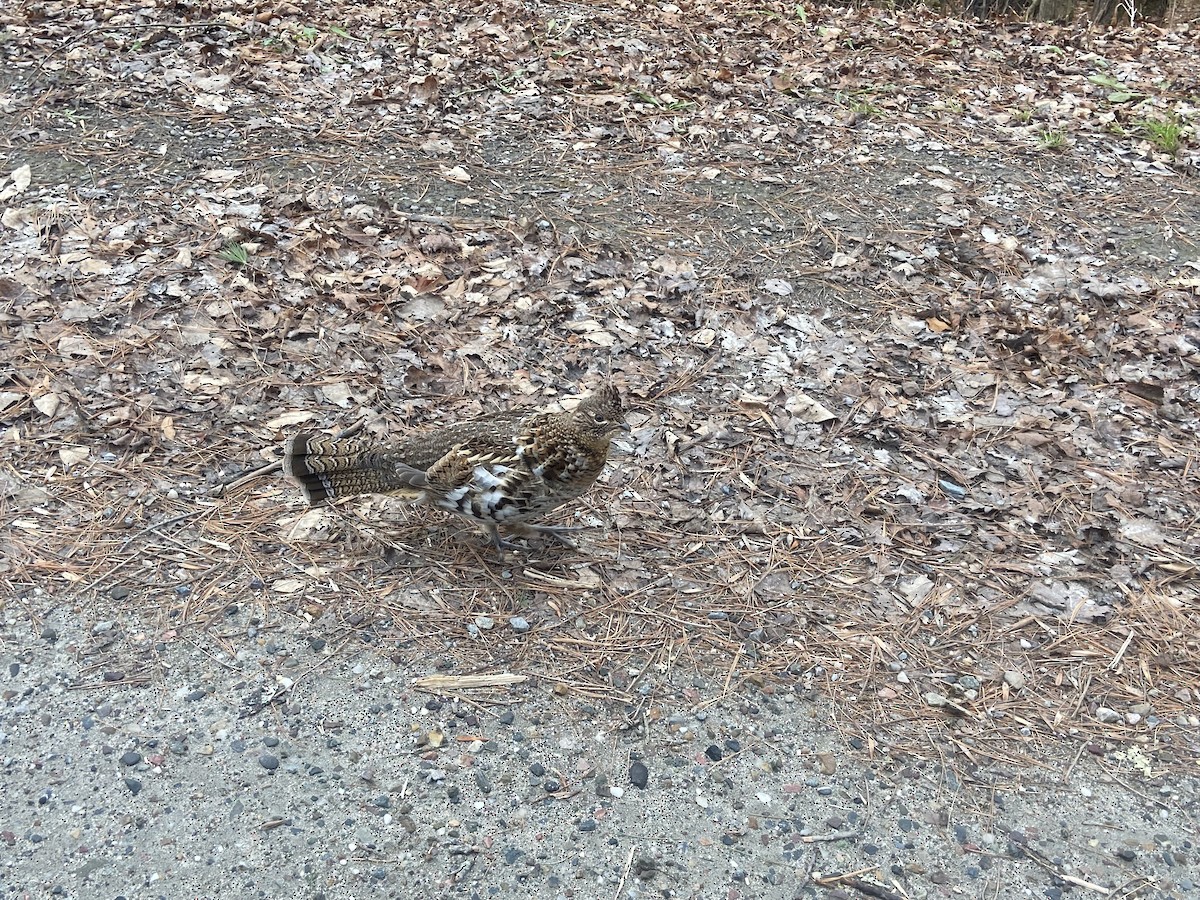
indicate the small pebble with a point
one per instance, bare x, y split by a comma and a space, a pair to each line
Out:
268, 762
518, 624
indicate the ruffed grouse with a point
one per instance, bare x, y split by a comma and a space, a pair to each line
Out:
499, 470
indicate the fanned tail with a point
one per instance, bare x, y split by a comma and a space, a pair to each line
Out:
331, 468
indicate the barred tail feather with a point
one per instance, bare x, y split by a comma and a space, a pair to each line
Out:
328, 468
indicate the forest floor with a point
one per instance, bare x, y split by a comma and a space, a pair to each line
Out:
905, 311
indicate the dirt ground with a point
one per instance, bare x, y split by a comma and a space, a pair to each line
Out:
890, 592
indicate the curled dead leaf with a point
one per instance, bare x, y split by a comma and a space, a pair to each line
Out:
339, 392
594, 332
10, 398
806, 409
75, 345
47, 404
423, 88
16, 183
312, 525
287, 419
93, 266
72, 455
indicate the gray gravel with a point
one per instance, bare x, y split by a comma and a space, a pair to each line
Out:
135, 769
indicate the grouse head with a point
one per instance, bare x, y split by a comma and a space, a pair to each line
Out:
599, 416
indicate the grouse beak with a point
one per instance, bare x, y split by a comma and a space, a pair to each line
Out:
619, 427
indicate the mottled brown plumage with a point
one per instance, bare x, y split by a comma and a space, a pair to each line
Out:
499, 470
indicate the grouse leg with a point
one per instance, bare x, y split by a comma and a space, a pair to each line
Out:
493, 532
558, 532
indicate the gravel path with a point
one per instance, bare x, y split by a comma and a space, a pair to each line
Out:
137, 769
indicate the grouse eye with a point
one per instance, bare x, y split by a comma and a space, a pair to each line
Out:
598, 418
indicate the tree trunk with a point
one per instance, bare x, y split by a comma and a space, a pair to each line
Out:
1179, 11
1052, 10
985, 9
1116, 12
1104, 12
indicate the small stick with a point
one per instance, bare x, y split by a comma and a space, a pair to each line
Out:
625, 872
863, 887
1116, 660
832, 836
246, 477
1050, 867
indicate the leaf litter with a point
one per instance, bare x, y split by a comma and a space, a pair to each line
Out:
905, 309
